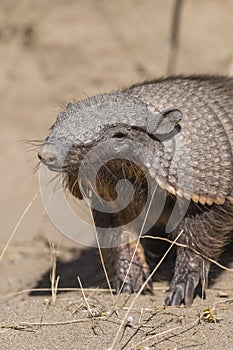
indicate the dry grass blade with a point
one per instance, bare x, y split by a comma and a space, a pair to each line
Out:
84, 298
25, 328
230, 73
17, 225
136, 346
174, 40
60, 323
53, 279
102, 259
141, 289
39, 290
138, 240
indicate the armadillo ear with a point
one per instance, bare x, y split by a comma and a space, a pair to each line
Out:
163, 124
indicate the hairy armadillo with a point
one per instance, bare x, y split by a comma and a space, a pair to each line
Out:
181, 130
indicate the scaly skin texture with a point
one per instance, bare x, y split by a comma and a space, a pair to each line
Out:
173, 136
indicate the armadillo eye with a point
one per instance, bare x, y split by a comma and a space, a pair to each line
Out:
119, 135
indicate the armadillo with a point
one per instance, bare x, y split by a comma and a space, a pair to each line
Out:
181, 130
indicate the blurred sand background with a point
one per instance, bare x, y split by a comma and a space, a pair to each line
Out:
53, 52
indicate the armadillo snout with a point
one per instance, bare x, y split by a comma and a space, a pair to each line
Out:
49, 155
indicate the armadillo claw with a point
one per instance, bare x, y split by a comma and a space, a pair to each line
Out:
181, 292
133, 280
126, 288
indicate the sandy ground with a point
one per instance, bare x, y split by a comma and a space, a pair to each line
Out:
52, 52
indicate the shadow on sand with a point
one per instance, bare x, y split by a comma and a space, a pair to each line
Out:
88, 267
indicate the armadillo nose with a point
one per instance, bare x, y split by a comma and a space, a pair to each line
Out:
48, 154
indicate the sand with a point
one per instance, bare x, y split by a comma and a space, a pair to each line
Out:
53, 52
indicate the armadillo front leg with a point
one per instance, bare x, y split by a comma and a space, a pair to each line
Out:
130, 276
205, 230
126, 263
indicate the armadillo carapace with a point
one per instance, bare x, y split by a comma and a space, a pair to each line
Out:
175, 134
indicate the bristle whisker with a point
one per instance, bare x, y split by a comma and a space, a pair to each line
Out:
36, 167
31, 145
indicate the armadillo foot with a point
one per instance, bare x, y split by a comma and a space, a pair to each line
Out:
130, 277
190, 269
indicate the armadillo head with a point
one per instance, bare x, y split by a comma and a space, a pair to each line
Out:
115, 117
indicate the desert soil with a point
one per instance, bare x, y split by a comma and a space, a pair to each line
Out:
53, 52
